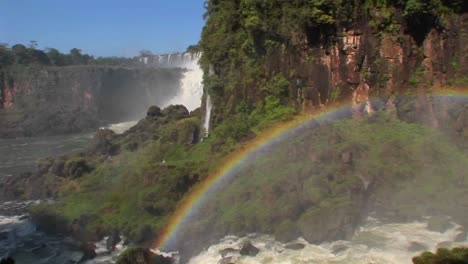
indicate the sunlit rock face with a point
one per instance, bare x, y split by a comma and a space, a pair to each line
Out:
58, 100
323, 72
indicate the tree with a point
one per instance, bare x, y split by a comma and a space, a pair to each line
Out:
38, 56
33, 44
56, 58
76, 56
21, 54
6, 55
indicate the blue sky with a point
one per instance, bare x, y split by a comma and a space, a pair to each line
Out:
103, 27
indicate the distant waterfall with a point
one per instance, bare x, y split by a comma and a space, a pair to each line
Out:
206, 123
191, 86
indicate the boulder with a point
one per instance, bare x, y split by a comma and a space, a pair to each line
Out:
227, 260
228, 251
248, 249
295, 246
154, 111
137, 255
176, 112
338, 248
89, 250
113, 240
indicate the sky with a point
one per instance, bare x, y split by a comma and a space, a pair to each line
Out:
103, 27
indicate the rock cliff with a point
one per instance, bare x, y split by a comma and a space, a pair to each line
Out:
58, 100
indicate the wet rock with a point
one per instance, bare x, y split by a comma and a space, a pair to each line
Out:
228, 251
416, 246
159, 259
228, 260
248, 249
337, 249
295, 246
113, 240
439, 224
154, 111
138, 255
89, 250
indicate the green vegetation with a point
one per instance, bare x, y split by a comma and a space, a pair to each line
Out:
248, 43
417, 77
444, 256
459, 79
139, 188
313, 184
19, 54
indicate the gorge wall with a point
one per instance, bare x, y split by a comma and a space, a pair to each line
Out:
58, 100
365, 55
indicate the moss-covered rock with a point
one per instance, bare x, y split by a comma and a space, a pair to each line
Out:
443, 256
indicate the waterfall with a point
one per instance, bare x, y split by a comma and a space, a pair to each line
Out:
191, 86
206, 123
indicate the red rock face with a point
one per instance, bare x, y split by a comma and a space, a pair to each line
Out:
8, 95
390, 63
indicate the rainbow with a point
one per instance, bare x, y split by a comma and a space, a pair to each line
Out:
235, 161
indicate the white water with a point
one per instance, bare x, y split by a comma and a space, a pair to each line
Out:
121, 128
374, 243
206, 122
191, 90
104, 256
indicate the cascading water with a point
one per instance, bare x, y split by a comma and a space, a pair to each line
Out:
206, 122
191, 87
374, 243
191, 90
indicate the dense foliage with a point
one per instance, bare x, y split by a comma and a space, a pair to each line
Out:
19, 54
248, 43
444, 256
